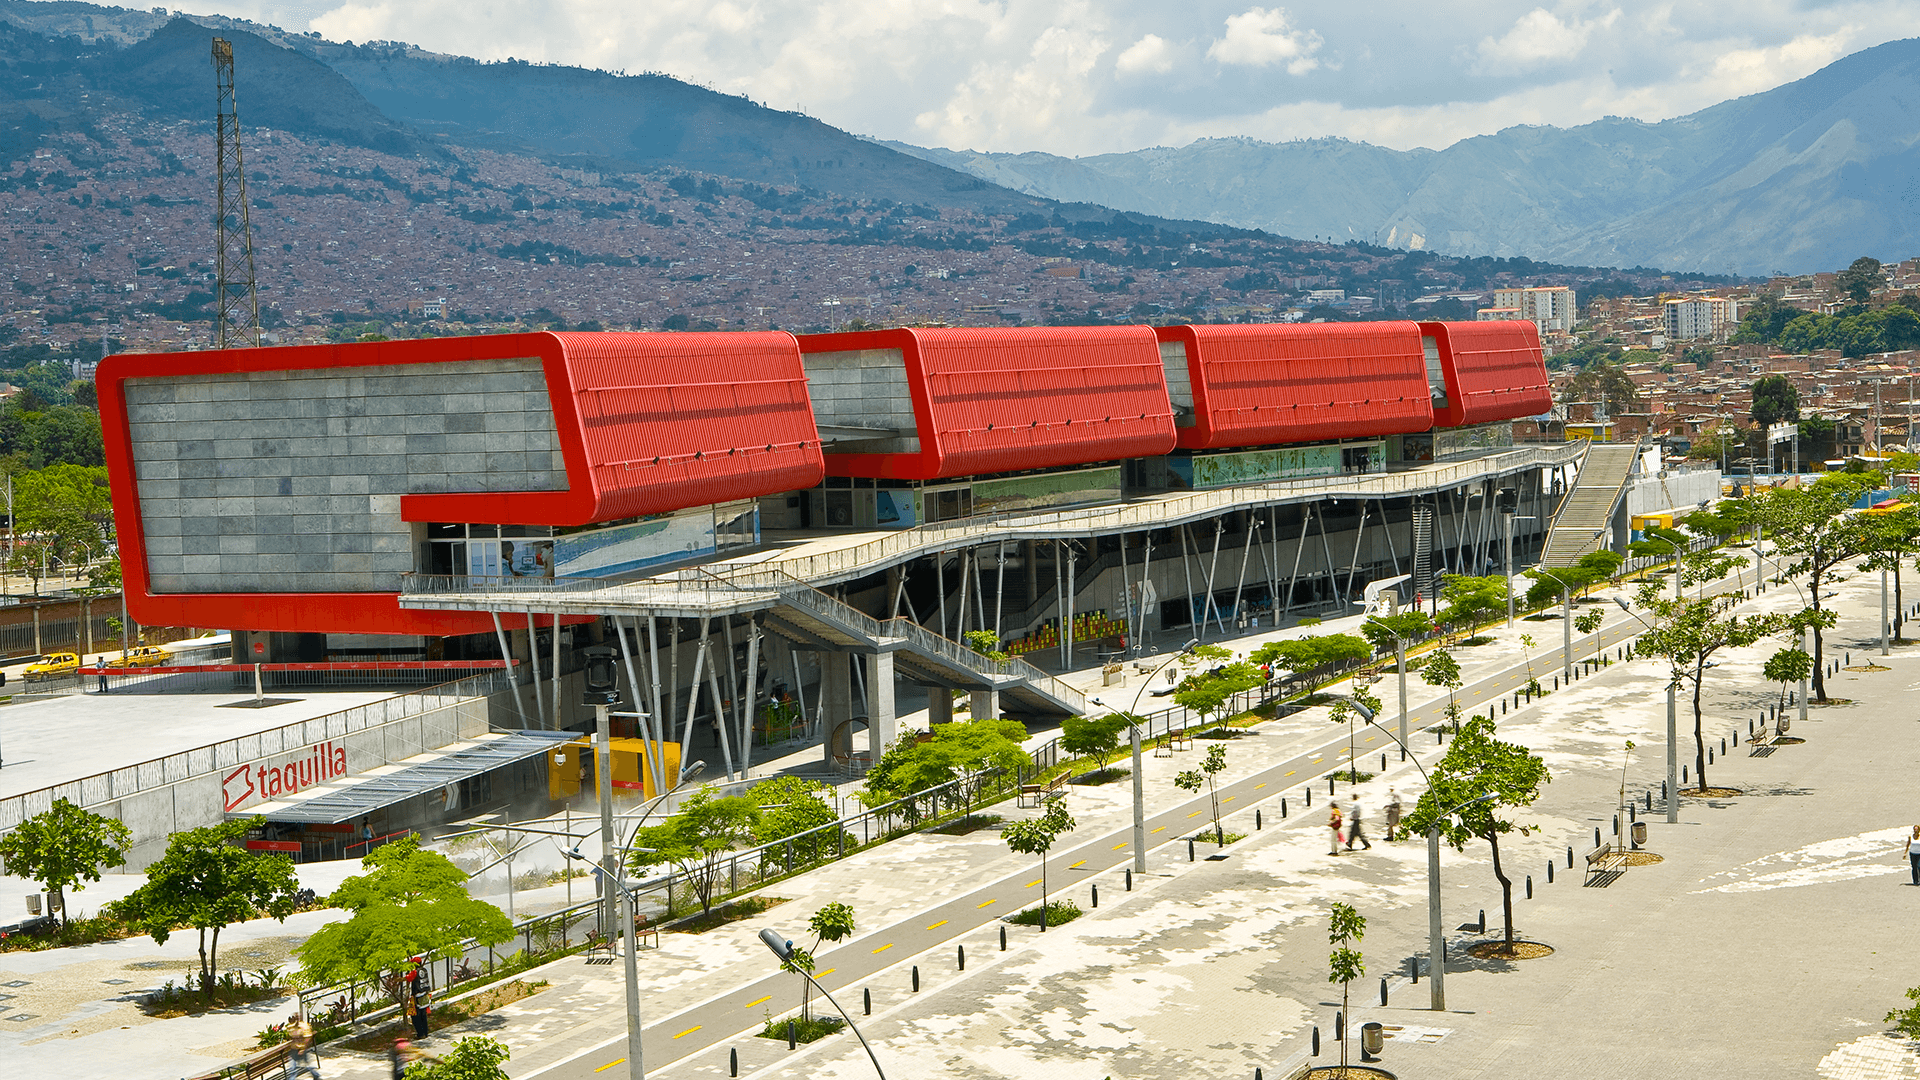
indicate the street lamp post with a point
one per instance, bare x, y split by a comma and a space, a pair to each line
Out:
1139, 780
1400, 663
1673, 733
783, 949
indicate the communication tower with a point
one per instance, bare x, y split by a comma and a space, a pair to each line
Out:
236, 307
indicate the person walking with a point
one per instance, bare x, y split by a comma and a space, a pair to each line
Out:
1393, 813
1913, 853
402, 1057
1354, 831
1333, 822
306, 1062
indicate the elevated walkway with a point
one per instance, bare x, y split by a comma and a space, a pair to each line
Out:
1581, 524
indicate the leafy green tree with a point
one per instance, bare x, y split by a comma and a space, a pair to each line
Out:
1441, 669
986, 643
693, 841
833, 922
1589, 622
1888, 540
206, 881
410, 902
1764, 320
1344, 711
475, 1057
1346, 927
1907, 1020
1096, 737
1036, 836
1194, 779
1527, 645
1789, 665
1409, 626
1811, 527
1774, 399
1472, 600
1303, 654
1592, 569
1479, 765
1858, 281
790, 805
1687, 633
61, 847
1207, 693
973, 752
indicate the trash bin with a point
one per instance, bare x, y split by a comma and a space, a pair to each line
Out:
1639, 833
1372, 1039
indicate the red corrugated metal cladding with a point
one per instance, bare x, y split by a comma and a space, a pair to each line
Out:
1008, 399
1281, 383
1494, 371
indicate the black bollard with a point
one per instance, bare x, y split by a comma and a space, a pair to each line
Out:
1556, 682
1503, 706
916, 967
792, 1040
1483, 920
1569, 858
1129, 879
1413, 965
1683, 774
1283, 807
1383, 763
1549, 871
962, 957
1736, 733
1616, 826
1256, 819
1339, 1026
1096, 896
1330, 785
1723, 748
1383, 993
1649, 796
1633, 813
1709, 755
866, 1000
733, 1062
1316, 1040
1003, 930
1189, 850
1529, 886
1256, 1073
1309, 797
1596, 837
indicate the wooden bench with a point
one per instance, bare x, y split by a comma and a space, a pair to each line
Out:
599, 949
271, 1062
1035, 794
1605, 858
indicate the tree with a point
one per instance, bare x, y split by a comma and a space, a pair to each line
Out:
1408, 626
410, 902
1303, 654
1194, 779
790, 805
833, 922
1888, 539
1687, 633
1593, 568
1789, 665
1587, 623
1811, 526
1527, 645
1472, 600
1859, 280
1774, 399
475, 1057
1908, 1019
1477, 765
707, 827
207, 882
62, 847
1035, 836
1208, 692
1344, 710
1764, 320
971, 752
1095, 737
1441, 669
1345, 928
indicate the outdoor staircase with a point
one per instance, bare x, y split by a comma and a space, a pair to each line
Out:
1580, 526
805, 615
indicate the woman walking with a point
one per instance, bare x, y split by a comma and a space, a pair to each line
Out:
1333, 822
1913, 853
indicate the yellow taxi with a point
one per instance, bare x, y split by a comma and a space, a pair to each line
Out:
139, 656
54, 664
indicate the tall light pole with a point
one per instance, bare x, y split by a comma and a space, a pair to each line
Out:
783, 949
1566, 620
1139, 781
1400, 667
1673, 732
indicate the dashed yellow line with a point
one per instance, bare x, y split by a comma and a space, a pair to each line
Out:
1034, 882
939, 924
1196, 813
1162, 828
689, 1031
757, 1001
1078, 865
1119, 845
826, 973
610, 1065
1230, 798
984, 903
884, 948
1257, 787
1292, 771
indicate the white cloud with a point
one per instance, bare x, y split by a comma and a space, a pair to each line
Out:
1540, 37
1151, 54
1259, 37
1749, 71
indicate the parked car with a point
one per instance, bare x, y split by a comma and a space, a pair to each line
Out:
53, 665
140, 656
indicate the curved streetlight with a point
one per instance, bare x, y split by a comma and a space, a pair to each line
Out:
1400, 663
1436, 933
1139, 781
783, 949
1566, 619
1673, 729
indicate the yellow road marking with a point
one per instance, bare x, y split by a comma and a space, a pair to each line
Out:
1162, 828
1119, 845
610, 1065
1196, 813
757, 1001
689, 1031
1034, 882
1317, 760
1078, 865
1230, 798
1291, 772
1257, 787
939, 924
884, 948
1370, 738
984, 904
826, 973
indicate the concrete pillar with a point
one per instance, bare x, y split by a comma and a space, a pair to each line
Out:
1622, 527
986, 705
939, 705
836, 704
882, 723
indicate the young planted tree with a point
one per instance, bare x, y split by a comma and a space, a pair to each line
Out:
1036, 836
1441, 669
1589, 622
1345, 928
1472, 600
208, 882
1789, 665
831, 923
1208, 693
1811, 527
1479, 766
410, 902
694, 840
1888, 539
1193, 780
974, 752
475, 1057
1095, 737
1527, 645
1344, 711
1322, 651
62, 847
1687, 633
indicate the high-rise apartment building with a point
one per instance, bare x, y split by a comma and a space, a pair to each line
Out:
1551, 307
1695, 317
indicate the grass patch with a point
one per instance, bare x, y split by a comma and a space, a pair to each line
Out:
1314, 699
172, 1001
804, 1031
1059, 913
447, 1014
1352, 776
1099, 777
961, 826
1208, 836
726, 913
1477, 639
84, 931
1226, 732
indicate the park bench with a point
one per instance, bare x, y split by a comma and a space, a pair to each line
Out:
599, 949
271, 1062
1177, 739
1760, 743
1605, 859
1035, 794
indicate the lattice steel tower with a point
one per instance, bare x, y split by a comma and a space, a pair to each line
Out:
236, 307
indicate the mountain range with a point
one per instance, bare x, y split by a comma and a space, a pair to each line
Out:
1802, 177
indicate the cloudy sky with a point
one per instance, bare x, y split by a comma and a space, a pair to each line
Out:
1076, 77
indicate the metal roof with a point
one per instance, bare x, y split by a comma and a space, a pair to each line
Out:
356, 796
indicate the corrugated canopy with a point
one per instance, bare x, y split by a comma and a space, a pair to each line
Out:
356, 796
